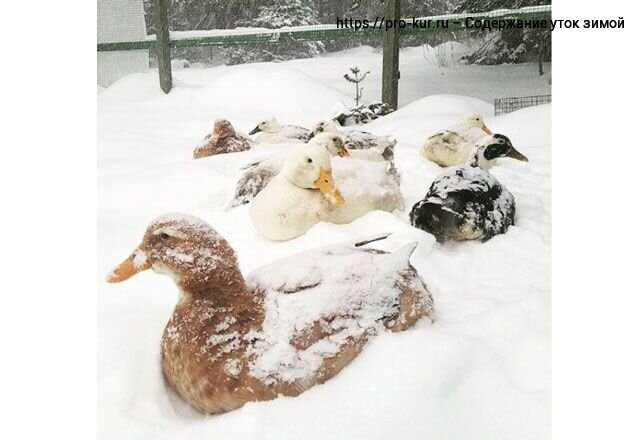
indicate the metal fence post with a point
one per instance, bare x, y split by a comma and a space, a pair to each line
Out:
391, 55
163, 50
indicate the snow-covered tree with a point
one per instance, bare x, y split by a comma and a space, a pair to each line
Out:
509, 45
275, 14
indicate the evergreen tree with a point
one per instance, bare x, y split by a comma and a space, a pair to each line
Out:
509, 45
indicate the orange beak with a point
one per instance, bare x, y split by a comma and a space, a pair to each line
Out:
344, 153
486, 130
326, 185
137, 262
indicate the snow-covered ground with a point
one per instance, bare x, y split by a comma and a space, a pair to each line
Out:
481, 371
419, 74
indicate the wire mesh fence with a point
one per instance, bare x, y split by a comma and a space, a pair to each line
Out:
507, 105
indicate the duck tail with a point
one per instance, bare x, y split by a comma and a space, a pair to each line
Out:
407, 250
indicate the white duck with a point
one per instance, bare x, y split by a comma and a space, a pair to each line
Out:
304, 193
259, 174
455, 145
271, 132
300, 196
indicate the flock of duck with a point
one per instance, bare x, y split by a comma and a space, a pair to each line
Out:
297, 322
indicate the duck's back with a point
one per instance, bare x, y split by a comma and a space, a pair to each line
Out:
447, 148
322, 306
296, 132
366, 186
233, 144
255, 178
465, 203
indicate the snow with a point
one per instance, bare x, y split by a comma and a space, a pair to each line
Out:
481, 370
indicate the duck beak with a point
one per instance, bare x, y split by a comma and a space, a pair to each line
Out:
344, 153
255, 130
515, 154
137, 262
328, 188
486, 130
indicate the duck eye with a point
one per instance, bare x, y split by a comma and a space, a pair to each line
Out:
164, 236
309, 160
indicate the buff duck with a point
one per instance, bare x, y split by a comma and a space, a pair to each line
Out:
224, 139
304, 193
271, 132
455, 145
233, 340
467, 202
258, 174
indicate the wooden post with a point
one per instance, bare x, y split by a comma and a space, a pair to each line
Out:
163, 50
391, 55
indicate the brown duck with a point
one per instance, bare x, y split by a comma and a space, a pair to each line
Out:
224, 139
288, 326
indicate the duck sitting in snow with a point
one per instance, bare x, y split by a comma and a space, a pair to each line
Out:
455, 145
259, 174
304, 193
271, 132
356, 139
224, 139
233, 340
467, 202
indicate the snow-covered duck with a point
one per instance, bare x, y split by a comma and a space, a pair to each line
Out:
304, 193
224, 139
258, 174
271, 132
467, 202
454, 145
233, 340
356, 139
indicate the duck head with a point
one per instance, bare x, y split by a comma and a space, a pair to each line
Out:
270, 125
490, 148
222, 128
310, 167
324, 127
477, 121
188, 250
332, 142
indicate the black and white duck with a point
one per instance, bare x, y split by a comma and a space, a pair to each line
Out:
467, 202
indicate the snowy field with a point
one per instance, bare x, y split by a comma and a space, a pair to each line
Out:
481, 371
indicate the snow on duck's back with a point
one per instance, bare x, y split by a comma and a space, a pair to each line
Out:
367, 305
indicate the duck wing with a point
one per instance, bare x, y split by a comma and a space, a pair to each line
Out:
296, 132
362, 140
255, 177
447, 139
321, 302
